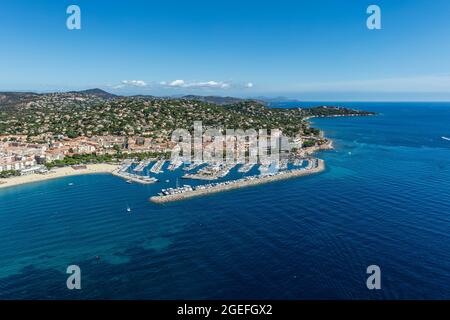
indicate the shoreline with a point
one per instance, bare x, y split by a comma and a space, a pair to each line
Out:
237, 185
329, 145
57, 173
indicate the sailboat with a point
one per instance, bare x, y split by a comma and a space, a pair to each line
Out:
128, 209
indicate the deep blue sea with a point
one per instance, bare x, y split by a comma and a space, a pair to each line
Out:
384, 200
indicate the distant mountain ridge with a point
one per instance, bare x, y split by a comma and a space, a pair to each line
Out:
12, 98
97, 92
15, 97
96, 112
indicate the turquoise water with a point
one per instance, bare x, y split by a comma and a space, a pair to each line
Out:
384, 199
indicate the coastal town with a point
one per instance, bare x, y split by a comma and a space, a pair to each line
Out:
45, 136
17, 153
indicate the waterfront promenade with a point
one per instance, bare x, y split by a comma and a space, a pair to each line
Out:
241, 183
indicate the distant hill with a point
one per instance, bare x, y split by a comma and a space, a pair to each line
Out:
143, 96
97, 92
13, 98
94, 112
7, 98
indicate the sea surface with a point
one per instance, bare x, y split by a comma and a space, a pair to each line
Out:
383, 200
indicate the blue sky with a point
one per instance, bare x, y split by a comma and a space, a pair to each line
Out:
311, 50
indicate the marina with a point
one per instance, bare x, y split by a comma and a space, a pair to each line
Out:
211, 172
130, 178
187, 191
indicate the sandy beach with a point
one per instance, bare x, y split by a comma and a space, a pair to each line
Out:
57, 173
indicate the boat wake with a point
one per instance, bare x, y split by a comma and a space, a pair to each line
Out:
445, 138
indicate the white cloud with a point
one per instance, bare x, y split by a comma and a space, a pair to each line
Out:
183, 84
212, 84
177, 83
134, 83
198, 84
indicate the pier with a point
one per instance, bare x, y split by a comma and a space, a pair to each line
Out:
284, 164
246, 167
175, 164
134, 177
125, 166
157, 167
185, 192
193, 166
142, 165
